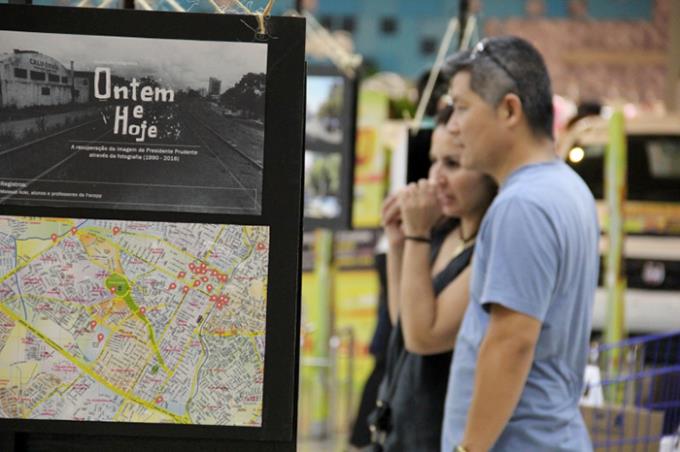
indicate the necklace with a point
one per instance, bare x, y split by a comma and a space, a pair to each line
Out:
464, 242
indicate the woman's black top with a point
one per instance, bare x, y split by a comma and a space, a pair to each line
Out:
418, 394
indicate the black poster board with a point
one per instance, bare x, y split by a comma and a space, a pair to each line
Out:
329, 148
227, 104
418, 157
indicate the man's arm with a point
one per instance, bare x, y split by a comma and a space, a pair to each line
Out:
503, 365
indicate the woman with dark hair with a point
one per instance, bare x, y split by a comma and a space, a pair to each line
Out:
431, 227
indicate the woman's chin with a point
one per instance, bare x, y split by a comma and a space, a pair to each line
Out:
450, 211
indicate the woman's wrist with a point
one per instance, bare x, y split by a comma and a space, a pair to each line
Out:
396, 244
418, 238
417, 233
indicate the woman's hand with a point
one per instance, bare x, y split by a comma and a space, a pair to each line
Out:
420, 210
391, 220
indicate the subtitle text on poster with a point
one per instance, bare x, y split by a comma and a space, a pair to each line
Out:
132, 152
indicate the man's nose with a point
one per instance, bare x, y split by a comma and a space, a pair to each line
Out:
452, 125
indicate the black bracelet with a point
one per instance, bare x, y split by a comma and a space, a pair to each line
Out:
417, 238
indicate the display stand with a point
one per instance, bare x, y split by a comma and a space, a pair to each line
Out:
173, 244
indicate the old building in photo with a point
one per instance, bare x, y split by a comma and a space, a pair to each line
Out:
29, 78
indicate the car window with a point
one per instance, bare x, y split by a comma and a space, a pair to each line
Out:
653, 168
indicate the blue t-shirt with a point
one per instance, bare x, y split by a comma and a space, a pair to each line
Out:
537, 254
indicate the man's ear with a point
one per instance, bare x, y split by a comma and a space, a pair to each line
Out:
510, 110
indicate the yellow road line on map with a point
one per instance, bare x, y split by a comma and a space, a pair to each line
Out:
25, 264
151, 264
217, 239
230, 333
99, 231
157, 268
194, 379
18, 268
172, 318
50, 299
64, 387
90, 372
169, 245
259, 357
118, 411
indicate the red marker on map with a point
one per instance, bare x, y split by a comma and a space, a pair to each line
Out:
209, 287
214, 273
173, 286
116, 230
74, 230
159, 400
54, 237
213, 298
261, 247
181, 274
197, 283
192, 267
142, 310
204, 279
113, 290
185, 289
219, 305
223, 278
100, 337
93, 324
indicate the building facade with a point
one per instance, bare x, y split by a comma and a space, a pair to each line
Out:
30, 79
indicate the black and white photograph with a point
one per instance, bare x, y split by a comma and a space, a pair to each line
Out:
330, 134
325, 99
132, 123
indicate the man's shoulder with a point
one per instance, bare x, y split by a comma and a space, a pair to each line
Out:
547, 186
547, 195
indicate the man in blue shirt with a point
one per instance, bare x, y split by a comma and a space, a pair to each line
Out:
517, 370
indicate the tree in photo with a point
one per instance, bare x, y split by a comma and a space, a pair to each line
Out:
331, 109
247, 97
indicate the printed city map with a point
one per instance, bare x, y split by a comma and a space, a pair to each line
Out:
127, 321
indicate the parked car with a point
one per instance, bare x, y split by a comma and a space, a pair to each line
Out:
651, 214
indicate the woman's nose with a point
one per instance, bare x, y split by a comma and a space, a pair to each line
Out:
436, 174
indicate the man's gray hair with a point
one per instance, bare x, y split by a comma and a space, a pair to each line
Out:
508, 64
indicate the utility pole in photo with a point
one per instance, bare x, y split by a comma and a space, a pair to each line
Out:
463, 15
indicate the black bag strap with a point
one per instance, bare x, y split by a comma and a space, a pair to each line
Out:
395, 376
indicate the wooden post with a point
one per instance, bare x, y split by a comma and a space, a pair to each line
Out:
616, 159
323, 264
